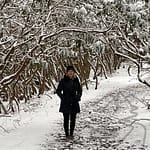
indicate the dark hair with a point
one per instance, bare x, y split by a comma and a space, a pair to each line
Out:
70, 68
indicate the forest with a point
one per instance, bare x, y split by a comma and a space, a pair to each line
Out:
39, 38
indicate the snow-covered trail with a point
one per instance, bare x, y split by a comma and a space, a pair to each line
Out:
119, 120
137, 130
28, 129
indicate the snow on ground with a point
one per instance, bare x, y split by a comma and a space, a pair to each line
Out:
108, 123
137, 130
28, 129
119, 80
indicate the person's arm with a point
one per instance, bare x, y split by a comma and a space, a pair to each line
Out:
60, 89
79, 91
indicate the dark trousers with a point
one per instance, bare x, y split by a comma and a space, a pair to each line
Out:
69, 117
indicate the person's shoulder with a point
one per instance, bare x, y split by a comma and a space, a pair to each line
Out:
61, 80
76, 78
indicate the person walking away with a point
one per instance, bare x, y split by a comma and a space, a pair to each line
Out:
69, 90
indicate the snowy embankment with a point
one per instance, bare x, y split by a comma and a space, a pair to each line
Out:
28, 129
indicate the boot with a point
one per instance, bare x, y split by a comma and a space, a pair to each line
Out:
72, 126
66, 132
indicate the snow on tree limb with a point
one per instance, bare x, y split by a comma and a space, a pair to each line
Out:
76, 29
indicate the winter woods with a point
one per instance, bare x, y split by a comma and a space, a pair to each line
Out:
39, 38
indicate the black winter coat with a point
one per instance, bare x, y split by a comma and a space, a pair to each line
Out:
70, 92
